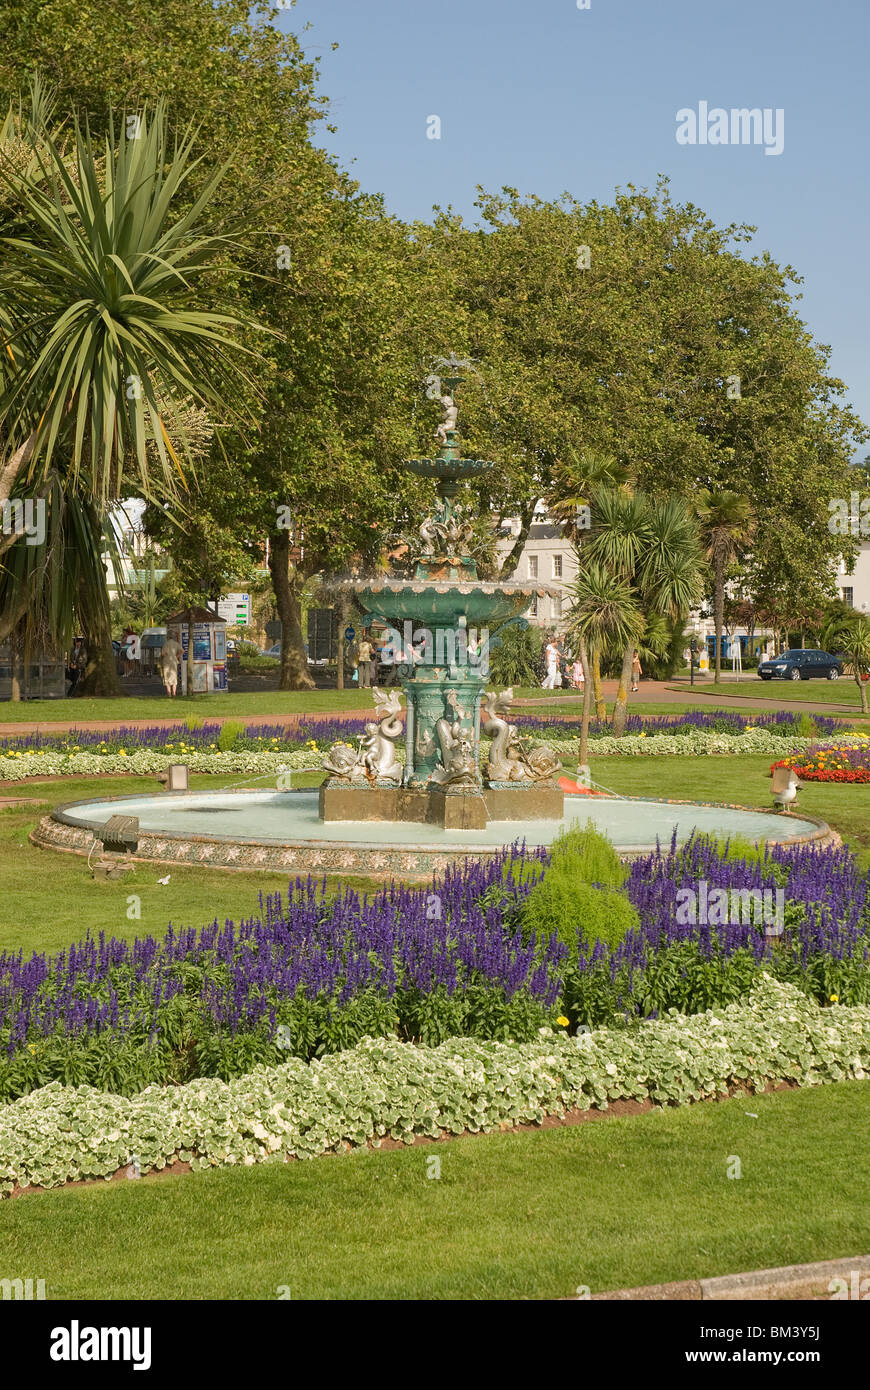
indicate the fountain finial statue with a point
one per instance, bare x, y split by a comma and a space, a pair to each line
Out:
448, 424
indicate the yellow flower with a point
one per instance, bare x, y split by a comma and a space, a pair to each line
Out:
122, 753
834, 998
563, 1021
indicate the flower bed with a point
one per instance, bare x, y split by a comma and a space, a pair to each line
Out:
262, 749
466, 955
386, 1088
846, 759
309, 974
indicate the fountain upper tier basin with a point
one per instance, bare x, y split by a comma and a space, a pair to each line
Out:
282, 830
434, 603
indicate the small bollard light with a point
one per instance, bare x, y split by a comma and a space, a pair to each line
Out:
176, 778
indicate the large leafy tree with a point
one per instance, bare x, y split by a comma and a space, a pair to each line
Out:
251, 93
642, 329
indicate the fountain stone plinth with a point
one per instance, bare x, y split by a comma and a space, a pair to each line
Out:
443, 615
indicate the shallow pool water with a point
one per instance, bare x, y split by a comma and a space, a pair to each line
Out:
292, 816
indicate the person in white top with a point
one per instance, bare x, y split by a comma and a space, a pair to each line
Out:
170, 655
552, 656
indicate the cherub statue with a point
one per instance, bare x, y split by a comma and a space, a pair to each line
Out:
448, 424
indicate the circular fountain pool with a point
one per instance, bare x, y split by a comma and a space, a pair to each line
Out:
282, 830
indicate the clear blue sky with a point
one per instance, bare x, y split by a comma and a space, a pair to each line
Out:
545, 97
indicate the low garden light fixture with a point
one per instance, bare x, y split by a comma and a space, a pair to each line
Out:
176, 778
120, 834
119, 837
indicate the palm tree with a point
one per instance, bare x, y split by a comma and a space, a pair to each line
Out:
107, 336
107, 346
575, 480
653, 547
604, 613
727, 528
850, 634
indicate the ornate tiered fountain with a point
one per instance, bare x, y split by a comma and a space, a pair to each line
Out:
374, 815
445, 616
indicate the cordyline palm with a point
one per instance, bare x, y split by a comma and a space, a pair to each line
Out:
850, 634
575, 479
727, 529
604, 613
653, 547
107, 336
49, 592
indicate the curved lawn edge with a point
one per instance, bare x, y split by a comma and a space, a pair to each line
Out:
383, 1089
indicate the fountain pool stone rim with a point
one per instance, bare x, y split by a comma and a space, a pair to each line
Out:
69, 828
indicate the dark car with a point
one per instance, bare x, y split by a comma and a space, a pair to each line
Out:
802, 664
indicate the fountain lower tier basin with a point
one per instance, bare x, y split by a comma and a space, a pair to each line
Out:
282, 831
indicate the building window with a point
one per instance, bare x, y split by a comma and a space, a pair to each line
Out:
849, 597
533, 611
533, 566
557, 606
557, 566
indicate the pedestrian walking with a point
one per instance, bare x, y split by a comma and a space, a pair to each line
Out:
170, 656
553, 675
78, 660
636, 671
363, 662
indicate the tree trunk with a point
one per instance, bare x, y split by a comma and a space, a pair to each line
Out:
342, 605
583, 758
620, 709
862, 688
100, 676
294, 664
718, 613
600, 707
14, 465
15, 693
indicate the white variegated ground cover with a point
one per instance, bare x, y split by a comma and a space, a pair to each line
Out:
384, 1087
17, 767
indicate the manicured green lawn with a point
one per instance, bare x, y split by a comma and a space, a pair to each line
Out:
608, 1204
48, 899
256, 704
741, 782
820, 692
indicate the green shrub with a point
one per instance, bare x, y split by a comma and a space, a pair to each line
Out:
515, 656
589, 855
228, 736
579, 913
806, 727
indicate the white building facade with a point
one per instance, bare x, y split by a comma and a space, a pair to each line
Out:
549, 558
